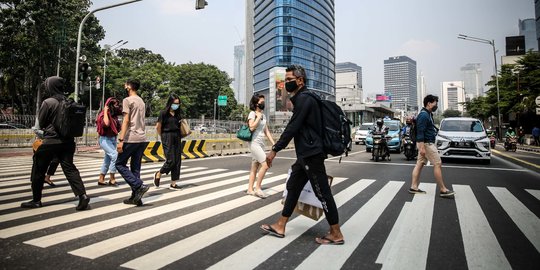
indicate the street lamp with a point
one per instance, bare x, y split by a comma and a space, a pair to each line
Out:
492, 43
111, 48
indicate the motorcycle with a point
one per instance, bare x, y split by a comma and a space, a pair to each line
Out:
409, 148
510, 144
492, 141
380, 147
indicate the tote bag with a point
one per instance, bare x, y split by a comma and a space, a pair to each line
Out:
244, 133
184, 128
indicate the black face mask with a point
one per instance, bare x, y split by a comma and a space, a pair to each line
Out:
261, 106
291, 86
434, 108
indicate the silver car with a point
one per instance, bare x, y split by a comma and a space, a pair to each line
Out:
362, 132
463, 138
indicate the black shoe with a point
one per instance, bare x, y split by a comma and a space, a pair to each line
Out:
31, 204
140, 192
175, 187
156, 179
131, 201
447, 194
416, 191
83, 202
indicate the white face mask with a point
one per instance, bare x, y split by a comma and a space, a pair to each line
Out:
175, 107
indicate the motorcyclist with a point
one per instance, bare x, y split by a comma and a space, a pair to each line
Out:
380, 129
510, 133
408, 127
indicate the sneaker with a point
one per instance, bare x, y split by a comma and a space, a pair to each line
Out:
447, 194
31, 204
140, 192
131, 201
416, 191
175, 187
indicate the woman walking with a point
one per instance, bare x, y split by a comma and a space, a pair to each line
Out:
257, 124
168, 127
108, 127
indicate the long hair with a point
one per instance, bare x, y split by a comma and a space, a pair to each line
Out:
254, 100
170, 101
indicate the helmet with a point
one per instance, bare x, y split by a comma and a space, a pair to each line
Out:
379, 122
510, 128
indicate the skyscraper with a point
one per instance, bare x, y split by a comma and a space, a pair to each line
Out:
453, 96
239, 84
527, 28
294, 32
348, 83
400, 82
472, 81
421, 90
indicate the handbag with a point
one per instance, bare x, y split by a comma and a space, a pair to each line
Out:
244, 133
184, 128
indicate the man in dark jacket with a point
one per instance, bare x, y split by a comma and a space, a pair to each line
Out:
305, 127
54, 146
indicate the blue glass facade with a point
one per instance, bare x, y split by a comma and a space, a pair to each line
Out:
295, 32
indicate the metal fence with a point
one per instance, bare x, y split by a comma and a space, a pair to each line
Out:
16, 130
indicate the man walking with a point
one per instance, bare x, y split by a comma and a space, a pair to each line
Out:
305, 127
132, 142
54, 146
536, 135
427, 150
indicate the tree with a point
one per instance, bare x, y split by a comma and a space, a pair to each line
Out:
451, 113
31, 32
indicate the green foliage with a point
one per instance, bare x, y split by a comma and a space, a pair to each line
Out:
451, 113
31, 33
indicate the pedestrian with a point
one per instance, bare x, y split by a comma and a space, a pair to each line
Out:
54, 146
427, 150
521, 135
536, 135
132, 142
257, 124
168, 127
108, 127
305, 127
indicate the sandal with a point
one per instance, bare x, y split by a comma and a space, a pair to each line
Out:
271, 231
327, 241
259, 193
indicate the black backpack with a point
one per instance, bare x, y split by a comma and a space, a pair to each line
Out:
71, 119
336, 128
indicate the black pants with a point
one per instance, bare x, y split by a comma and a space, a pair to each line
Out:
311, 168
53, 166
63, 152
172, 147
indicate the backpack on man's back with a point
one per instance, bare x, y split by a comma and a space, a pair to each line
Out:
71, 119
336, 128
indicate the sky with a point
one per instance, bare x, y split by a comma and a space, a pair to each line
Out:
367, 33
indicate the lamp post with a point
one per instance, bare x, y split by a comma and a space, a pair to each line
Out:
492, 43
80, 36
111, 48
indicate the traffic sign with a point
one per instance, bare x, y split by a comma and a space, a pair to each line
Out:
537, 100
222, 101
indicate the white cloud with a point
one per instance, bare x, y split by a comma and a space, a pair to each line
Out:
176, 7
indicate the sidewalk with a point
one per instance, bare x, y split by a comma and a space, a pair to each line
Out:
530, 148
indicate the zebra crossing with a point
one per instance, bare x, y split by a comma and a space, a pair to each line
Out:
212, 224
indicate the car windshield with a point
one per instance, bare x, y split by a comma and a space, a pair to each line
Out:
365, 127
462, 126
393, 126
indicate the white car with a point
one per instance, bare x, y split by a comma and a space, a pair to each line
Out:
463, 138
362, 132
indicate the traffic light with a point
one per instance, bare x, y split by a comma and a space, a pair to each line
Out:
200, 4
84, 71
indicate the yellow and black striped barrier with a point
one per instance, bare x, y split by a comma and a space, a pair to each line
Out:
191, 149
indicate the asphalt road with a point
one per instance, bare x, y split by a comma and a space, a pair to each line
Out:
492, 223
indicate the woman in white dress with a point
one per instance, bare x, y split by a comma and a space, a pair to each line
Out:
259, 129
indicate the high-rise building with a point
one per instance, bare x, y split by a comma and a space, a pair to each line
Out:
239, 83
250, 18
527, 28
400, 82
421, 90
453, 96
472, 80
537, 15
294, 32
348, 83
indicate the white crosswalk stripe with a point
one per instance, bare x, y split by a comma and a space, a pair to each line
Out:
212, 191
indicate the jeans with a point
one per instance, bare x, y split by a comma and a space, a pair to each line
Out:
132, 175
42, 159
312, 169
108, 144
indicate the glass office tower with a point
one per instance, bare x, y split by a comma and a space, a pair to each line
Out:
289, 32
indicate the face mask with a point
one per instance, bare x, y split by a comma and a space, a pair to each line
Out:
434, 108
261, 106
291, 86
175, 106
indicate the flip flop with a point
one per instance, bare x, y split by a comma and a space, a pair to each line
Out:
327, 241
268, 229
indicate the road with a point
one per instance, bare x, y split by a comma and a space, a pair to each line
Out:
493, 222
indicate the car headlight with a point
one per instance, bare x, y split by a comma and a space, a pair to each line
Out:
485, 144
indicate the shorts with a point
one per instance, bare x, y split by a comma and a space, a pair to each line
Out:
432, 154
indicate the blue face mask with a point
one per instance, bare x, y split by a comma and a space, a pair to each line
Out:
175, 106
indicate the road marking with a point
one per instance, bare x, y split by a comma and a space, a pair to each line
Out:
482, 250
534, 192
250, 256
178, 250
411, 246
393, 234
97, 249
354, 230
517, 159
526, 220
30, 227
